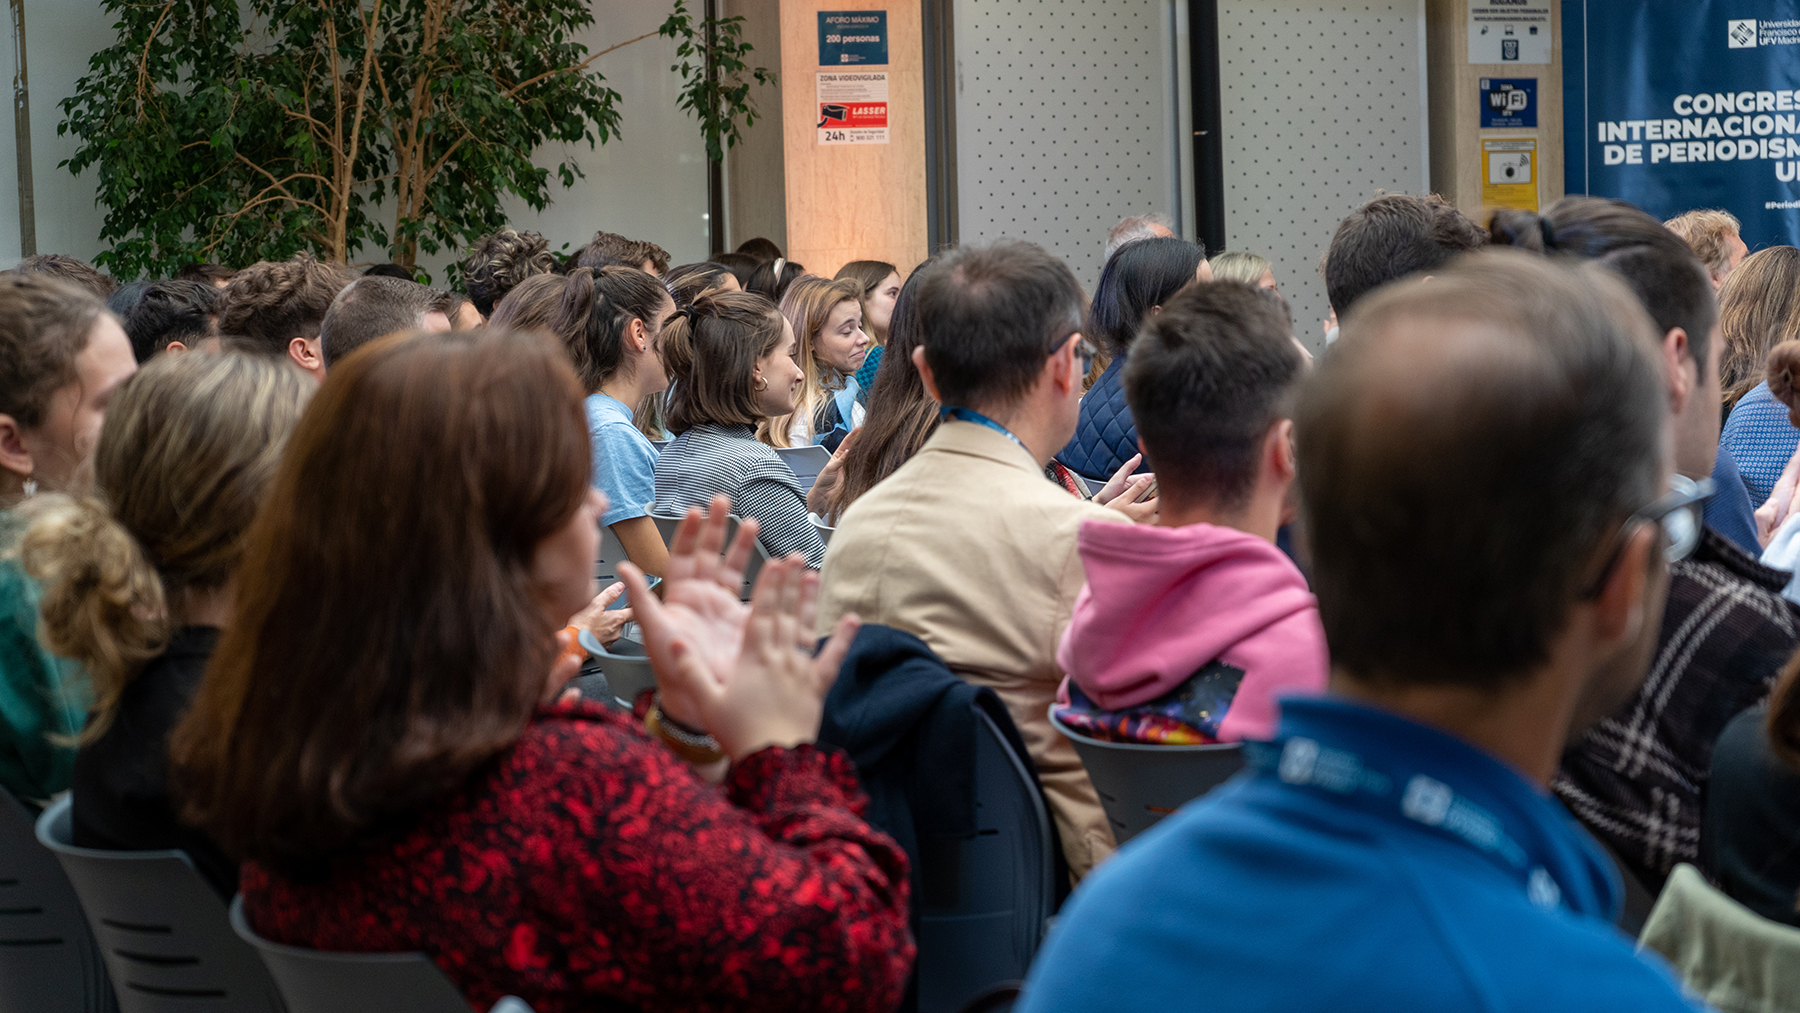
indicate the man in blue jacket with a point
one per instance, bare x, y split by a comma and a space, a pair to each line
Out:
1486, 479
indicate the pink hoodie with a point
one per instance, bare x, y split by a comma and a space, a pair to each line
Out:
1162, 602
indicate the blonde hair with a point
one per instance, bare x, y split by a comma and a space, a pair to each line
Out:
1235, 265
187, 451
1759, 307
1705, 232
807, 304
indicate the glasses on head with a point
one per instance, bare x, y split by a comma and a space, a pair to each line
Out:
1085, 351
1679, 514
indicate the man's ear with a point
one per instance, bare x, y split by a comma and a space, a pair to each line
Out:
924, 369
1278, 450
15, 455
174, 347
1619, 609
1681, 368
1064, 366
307, 354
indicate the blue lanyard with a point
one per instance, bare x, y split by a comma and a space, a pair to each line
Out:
971, 415
1417, 797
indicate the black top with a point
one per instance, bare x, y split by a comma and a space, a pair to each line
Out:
121, 779
1750, 845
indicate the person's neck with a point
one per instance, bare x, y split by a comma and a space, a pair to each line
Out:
1524, 723
203, 607
1034, 426
1261, 516
627, 390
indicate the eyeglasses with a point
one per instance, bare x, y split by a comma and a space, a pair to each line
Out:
1679, 515
1085, 350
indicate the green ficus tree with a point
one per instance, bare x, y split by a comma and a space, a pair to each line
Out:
240, 131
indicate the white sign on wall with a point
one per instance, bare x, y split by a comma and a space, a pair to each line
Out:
1509, 31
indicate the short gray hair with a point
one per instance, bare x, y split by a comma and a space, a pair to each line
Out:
1134, 228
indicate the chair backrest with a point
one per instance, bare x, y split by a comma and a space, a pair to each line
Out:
627, 670
987, 899
162, 930
48, 960
612, 553
315, 981
1725, 953
1140, 783
665, 526
825, 530
805, 462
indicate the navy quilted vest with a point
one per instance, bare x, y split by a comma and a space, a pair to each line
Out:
1105, 437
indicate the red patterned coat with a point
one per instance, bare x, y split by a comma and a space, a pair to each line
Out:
589, 869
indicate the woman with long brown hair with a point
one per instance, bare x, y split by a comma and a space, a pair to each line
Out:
383, 739
901, 416
1759, 307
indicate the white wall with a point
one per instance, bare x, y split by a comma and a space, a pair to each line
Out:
649, 184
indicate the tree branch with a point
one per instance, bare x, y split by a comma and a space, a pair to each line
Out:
583, 65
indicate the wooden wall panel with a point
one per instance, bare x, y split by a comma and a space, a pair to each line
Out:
854, 202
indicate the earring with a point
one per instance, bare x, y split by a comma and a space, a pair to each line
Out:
761, 384
30, 487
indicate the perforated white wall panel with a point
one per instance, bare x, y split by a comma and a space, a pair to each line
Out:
1323, 108
1064, 121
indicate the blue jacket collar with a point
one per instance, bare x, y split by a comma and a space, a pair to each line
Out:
1416, 775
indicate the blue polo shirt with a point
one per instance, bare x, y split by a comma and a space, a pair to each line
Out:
1363, 863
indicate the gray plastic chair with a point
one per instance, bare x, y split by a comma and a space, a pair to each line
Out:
1139, 783
162, 930
805, 463
612, 553
825, 530
317, 981
627, 670
665, 526
48, 960
986, 901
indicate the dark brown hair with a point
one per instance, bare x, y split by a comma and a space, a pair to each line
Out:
596, 308
368, 308
901, 415
990, 316
273, 302
388, 638
764, 250
608, 249
710, 353
69, 271
1784, 713
866, 273
1759, 307
1467, 452
1393, 236
44, 324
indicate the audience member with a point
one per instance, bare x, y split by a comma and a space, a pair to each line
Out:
763, 250
68, 270
1713, 236
1188, 628
125, 297
530, 305
458, 311
1249, 268
398, 272
1390, 237
62, 356
138, 579
1751, 843
1482, 467
1130, 230
607, 249
1638, 776
278, 307
1136, 282
827, 321
1759, 307
373, 307
731, 360
741, 265
171, 316
966, 546
771, 280
611, 321
901, 414
497, 263
880, 283
387, 706
216, 275
691, 281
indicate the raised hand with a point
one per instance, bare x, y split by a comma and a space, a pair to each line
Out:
604, 625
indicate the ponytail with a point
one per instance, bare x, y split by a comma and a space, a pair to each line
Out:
597, 308
103, 603
710, 354
1522, 229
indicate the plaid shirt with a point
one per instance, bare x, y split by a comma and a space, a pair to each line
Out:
1637, 780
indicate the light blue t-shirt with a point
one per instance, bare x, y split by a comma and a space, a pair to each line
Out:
624, 460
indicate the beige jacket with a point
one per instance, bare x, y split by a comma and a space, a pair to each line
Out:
968, 547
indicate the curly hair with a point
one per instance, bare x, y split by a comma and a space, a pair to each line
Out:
497, 263
271, 302
608, 249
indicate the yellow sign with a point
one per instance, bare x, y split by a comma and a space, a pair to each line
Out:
1508, 168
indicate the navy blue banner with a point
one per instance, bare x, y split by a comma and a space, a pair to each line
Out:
1675, 106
